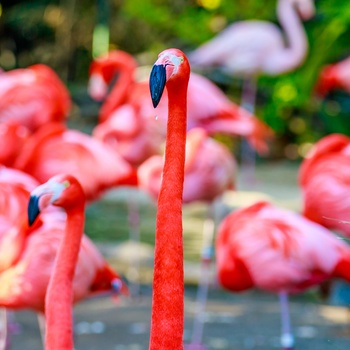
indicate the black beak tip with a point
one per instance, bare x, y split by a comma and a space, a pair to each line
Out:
157, 82
33, 209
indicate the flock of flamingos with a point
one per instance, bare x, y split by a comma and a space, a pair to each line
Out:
49, 172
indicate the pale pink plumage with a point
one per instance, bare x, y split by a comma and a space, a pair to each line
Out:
54, 149
209, 169
324, 178
249, 48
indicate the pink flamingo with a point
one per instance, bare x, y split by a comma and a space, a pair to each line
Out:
209, 171
334, 76
167, 324
324, 178
279, 251
33, 96
127, 118
250, 48
61, 265
54, 149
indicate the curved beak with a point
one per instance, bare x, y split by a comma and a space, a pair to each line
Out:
43, 196
33, 209
157, 82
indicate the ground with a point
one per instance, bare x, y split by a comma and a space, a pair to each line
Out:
249, 320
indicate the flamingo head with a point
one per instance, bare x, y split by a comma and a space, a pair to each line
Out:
306, 8
170, 65
104, 69
61, 190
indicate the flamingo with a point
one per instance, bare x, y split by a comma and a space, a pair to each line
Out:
167, 322
54, 149
250, 48
279, 251
324, 179
33, 96
334, 76
74, 272
128, 121
209, 171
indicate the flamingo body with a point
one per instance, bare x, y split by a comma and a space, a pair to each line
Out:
54, 149
33, 96
277, 250
325, 181
209, 169
24, 285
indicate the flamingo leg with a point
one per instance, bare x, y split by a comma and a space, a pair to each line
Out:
42, 326
4, 330
202, 291
287, 339
247, 152
134, 236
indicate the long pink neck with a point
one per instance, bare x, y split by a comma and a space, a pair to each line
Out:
59, 297
168, 280
118, 94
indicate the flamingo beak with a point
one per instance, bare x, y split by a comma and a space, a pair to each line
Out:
33, 209
43, 196
157, 82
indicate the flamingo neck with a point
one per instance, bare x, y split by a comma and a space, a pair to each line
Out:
119, 92
59, 297
295, 34
168, 280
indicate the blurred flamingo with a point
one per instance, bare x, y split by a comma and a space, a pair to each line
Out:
250, 48
54, 149
33, 97
129, 122
279, 251
334, 76
171, 70
324, 178
30, 251
209, 171
61, 265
